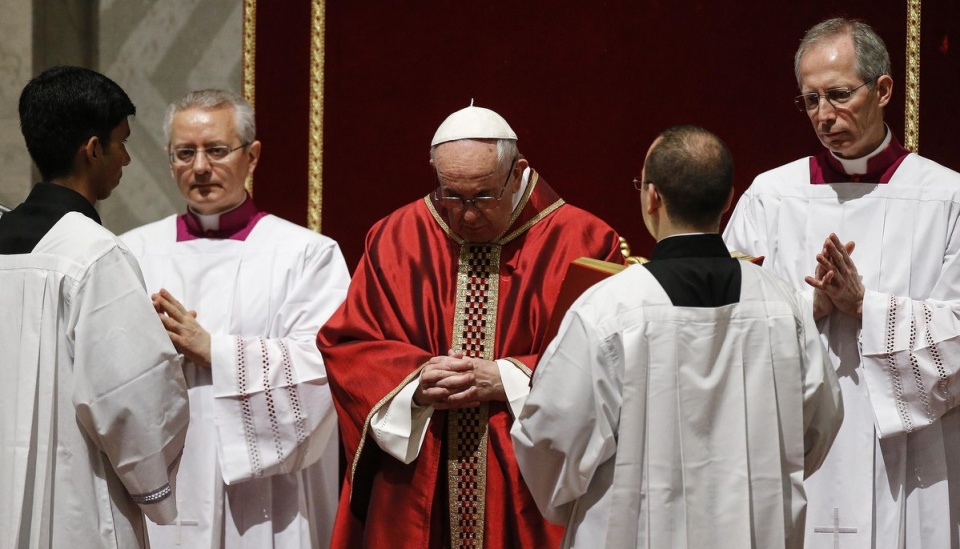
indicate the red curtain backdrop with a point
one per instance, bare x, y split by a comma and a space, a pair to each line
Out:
282, 100
585, 85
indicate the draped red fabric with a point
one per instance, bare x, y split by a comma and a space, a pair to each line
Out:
398, 313
586, 86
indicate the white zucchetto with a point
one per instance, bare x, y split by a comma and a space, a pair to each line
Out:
473, 123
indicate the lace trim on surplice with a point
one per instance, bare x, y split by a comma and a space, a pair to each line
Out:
892, 366
943, 383
246, 411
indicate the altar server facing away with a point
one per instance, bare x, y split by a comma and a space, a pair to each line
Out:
683, 401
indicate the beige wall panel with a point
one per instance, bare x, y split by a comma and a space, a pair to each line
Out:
157, 51
16, 54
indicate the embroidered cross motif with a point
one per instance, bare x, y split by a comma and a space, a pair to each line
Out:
836, 529
473, 329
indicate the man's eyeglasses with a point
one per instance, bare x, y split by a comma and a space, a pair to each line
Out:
483, 202
213, 154
638, 184
836, 96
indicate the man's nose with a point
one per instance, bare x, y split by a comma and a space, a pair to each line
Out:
470, 213
826, 109
200, 162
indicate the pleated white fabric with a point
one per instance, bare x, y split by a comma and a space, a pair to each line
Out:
93, 404
633, 439
891, 479
260, 465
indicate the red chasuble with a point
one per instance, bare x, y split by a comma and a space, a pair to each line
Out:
419, 291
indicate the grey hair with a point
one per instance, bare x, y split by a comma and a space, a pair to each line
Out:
211, 99
506, 151
873, 60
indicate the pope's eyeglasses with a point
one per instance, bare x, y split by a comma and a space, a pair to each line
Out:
483, 202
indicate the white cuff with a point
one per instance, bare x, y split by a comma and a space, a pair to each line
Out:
516, 385
400, 426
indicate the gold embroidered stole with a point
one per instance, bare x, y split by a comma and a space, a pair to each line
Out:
474, 328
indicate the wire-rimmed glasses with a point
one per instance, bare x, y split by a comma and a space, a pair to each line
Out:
218, 153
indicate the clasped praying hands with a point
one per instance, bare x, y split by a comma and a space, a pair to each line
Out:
187, 335
456, 381
836, 282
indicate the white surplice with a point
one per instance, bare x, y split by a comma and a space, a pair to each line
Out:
891, 479
93, 404
633, 438
260, 465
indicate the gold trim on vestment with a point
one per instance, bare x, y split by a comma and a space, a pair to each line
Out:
521, 366
439, 219
366, 424
249, 65
474, 330
478, 459
315, 136
536, 219
911, 116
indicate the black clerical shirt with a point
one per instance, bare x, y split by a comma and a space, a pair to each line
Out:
22, 228
696, 270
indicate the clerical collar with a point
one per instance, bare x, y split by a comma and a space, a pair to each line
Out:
523, 187
690, 245
876, 167
26, 225
63, 198
234, 224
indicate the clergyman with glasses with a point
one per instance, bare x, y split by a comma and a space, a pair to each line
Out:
870, 231
431, 354
242, 294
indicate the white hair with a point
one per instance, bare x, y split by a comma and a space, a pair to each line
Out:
213, 99
507, 151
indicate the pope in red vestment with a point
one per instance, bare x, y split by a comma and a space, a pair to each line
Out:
448, 285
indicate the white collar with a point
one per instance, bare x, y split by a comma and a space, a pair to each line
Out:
211, 222
859, 165
682, 234
523, 187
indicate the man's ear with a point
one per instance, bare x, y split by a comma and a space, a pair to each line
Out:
518, 167
884, 89
654, 202
93, 148
253, 155
726, 207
